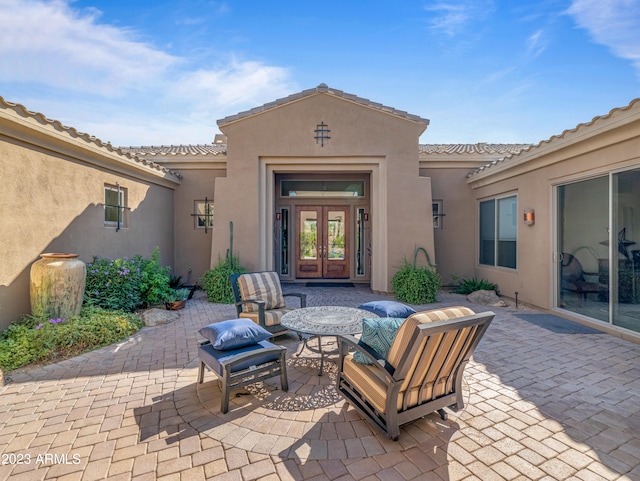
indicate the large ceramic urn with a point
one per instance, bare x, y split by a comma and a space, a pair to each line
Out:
57, 285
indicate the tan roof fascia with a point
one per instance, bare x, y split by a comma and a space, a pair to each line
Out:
323, 89
601, 132
16, 122
219, 162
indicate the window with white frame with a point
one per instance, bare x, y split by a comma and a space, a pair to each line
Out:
499, 232
204, 214
436, 206
115, 206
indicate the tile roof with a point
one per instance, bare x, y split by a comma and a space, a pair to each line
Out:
479, 148
198, 149
22, 111
221, 149
557, 138
322, 88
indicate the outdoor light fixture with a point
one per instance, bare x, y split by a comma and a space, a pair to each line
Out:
529, 217
278, 215
366, 217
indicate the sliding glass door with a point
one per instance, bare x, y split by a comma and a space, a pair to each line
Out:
598, 248
583, 222
625, 240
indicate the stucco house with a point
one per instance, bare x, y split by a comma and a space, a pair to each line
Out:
325, 186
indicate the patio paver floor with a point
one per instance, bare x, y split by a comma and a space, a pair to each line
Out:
540, 405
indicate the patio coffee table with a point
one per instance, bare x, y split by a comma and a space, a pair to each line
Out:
322, 321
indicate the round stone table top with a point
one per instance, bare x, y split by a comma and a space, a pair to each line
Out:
326, 320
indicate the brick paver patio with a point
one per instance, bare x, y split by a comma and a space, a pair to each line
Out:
541, 405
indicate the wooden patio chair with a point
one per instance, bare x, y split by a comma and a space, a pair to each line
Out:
259, 297
422, 372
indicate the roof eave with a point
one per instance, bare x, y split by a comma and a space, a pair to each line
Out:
34, 128
544, 153
322, 89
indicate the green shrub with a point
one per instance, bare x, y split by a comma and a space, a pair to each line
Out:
416, 285
154, 285
114, 283
175, 281
178, 295
35, 339
127, 284
216, 281
467, 286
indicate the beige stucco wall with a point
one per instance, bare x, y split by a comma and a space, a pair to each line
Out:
454, 242
605, 146
192, 257
362, 139
53, 185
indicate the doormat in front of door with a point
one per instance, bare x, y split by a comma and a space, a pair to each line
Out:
557, 324
330, 284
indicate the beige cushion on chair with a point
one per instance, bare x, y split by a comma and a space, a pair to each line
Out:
271, 318
373, 385
401, 342
263, 286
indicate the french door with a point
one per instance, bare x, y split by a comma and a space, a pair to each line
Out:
322, 249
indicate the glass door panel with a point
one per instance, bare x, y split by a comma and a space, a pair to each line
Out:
625, 268
308, 235
308, 260
335, 235
284, 241
335, 242
583, 252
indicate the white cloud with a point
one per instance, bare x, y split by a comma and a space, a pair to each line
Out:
235, 84
131, 91
452, 18
536, 43
49, 43
613, 23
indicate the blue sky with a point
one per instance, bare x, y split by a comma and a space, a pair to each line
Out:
154, 72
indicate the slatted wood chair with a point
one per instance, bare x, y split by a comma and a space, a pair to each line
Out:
422, 372
259, 297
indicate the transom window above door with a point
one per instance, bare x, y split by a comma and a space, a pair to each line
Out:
322, 188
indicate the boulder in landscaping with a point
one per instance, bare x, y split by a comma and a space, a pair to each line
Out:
486, 298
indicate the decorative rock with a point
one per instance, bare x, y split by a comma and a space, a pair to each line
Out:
486, 298
157, 317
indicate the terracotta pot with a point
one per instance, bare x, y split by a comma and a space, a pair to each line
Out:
57, 285
175, 305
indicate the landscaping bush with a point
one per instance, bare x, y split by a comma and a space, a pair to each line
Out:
154, 285
467, 286
127, 284
216, 281
416, 285
114, 283
36, 339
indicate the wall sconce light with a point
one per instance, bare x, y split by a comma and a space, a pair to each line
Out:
529, 217
278, 215
366, 217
